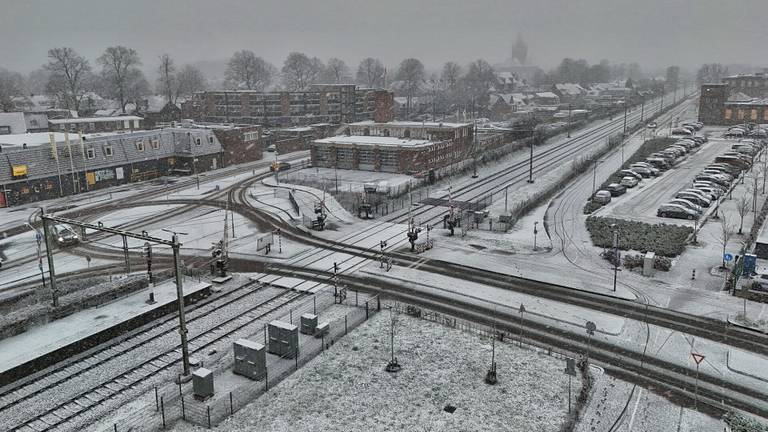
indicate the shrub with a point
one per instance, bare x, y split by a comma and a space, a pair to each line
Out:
633, 261
662, 263
740, 423
663, 239
610, 256
591, 206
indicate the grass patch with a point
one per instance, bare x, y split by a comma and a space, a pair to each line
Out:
663, 239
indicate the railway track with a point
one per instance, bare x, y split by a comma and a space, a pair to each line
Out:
135, 371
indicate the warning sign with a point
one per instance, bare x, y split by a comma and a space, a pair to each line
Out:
698, 358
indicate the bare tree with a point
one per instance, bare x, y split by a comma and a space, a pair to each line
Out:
742, 207
167, 79
119, 68
411, 75
726, 232
70, 76
188, 81
479, 79
246, 71
371, 73
299, 71
336, 71
136, 88
11, 86
451, 75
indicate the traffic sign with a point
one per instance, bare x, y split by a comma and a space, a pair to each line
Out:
591, 327
728, 257
698, 358
522, 308
39, 237
570, 366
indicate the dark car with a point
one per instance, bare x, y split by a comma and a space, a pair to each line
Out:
616, 189
279, 166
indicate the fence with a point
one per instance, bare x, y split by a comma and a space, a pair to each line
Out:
172, 402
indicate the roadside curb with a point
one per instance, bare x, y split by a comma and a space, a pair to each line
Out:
746, 374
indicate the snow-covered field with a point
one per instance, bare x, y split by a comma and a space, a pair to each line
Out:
346, 388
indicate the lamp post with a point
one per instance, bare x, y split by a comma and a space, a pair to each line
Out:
530, 163
569, 120
616, 256
535, 232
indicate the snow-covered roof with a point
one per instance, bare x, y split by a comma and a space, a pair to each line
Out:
15, 120
41, 138
546, 95
739, 97
94, 119
374, 140
570, 89
411, 124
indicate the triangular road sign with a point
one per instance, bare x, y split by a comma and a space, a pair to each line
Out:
698, 358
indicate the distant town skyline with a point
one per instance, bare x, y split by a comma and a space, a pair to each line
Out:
654, 33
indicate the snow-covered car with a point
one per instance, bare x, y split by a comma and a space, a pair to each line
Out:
675, 211
687, 204
631, 173
616, 189
653, 170
695, 196
652, 125
629, 181
602, 197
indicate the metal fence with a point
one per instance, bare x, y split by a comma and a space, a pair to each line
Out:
173, 402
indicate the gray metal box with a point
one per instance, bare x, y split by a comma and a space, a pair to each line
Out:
283, 339
322, 329
250, 359
202, 383
308, 323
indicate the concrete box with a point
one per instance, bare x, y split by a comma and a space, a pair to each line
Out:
322, 329
648, 261
283, 339
308, 324
202, 383
250, 359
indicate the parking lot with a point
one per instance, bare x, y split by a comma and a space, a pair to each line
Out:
642, 202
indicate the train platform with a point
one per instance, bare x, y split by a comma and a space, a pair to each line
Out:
44, 345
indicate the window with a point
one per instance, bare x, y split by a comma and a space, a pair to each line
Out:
140, 146
198, 142
407, 133
90, 153
753, 114
210, 140
156, 144
765, 114
740, 114
728, 113
108, 152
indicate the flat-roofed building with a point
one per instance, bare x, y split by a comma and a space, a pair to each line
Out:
96, 124
400, 146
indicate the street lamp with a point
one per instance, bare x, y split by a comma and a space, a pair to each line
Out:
535, 231
530, 163
569, 120
616, 256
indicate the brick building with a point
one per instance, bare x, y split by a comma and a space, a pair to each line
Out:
333, 103
755, 85
402, 147
239, 143
36, 169
720, 105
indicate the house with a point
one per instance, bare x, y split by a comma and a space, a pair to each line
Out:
546, 98
506, 82
569, 92
12, 123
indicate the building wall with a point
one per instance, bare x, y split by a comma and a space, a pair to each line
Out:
712, 103
751, 85
241, 144
737, 113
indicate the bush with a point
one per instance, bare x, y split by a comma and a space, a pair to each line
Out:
591, 206
611, 257
633, 261
741, 423
662, 263
664, 240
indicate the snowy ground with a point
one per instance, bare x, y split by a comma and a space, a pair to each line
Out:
346, 388
350, 180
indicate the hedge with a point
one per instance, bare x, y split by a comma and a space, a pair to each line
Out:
663, 239
741, 423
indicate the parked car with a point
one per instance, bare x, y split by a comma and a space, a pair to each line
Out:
694, 195
65, 235
658, 163
682, 148
670, 158
694, 125
654, 171
631, 173
602, 197
711, 178
717, 172
730, 169
629, 181
709, 190
687, 204
676, 151
652, 125
643, 171
679, 131
271, 148
735, 161
675, 211
616, 189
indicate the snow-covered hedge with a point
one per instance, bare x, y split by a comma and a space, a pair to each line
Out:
665, 240
741, 423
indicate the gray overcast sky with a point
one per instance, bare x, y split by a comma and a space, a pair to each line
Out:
655, 33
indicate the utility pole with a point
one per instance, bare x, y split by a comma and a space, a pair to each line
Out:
85, 159
530, 164
71, 163
180, 298
569, 120
55, 152
49, 255
615, 257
